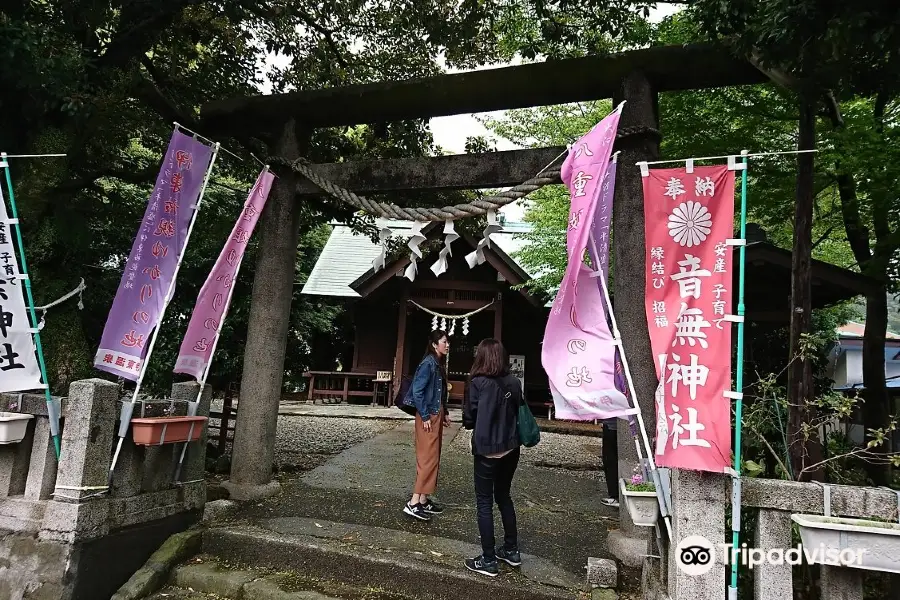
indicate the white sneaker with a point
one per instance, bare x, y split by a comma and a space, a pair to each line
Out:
611, 502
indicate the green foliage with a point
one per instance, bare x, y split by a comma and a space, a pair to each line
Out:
103, 84
548, 208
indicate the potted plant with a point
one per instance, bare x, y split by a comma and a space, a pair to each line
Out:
838, 541
640, 498
13, 427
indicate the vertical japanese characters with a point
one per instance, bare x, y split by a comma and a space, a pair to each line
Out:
578, 350
157, 248
689, 217
215, 295
19, 369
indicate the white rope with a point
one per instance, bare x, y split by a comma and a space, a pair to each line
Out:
439, 315
81, 287
78, 290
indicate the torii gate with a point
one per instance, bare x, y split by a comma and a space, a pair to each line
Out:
285, 121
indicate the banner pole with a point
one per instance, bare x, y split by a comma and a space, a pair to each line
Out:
52, 411
126, 415
640, 418
192, 406
739, 386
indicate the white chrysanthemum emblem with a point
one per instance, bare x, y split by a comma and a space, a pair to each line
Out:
689, 223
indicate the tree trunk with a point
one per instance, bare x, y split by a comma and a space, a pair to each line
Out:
803, 452
876, 408
273, 282
628, 249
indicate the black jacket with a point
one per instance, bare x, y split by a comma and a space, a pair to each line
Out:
491, 409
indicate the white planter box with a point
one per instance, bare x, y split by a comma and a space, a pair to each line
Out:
642, 506
824, 538
13, 427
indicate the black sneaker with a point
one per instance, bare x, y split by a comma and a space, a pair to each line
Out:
432, 508
480, 565
416, 511
510, 557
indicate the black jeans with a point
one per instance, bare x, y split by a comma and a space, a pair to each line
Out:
493, 479
611, 461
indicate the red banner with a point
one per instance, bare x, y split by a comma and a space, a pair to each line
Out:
688, 219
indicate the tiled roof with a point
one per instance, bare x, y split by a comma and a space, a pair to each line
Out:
347, 256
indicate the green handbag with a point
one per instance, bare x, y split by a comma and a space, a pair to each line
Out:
529, 433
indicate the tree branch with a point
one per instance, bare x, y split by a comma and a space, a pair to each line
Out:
149, 91
857, 233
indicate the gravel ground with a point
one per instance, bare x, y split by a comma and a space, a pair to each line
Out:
304, 443
573, 453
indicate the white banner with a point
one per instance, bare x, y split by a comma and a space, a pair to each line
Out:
19, 369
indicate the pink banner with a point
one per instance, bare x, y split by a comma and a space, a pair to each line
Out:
688, 220
215, 296
578, 351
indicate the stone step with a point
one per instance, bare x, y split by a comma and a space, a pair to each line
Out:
206, 579
412, 565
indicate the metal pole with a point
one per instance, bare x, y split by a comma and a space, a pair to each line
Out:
739, 386
640, 418
52, 412
128, 408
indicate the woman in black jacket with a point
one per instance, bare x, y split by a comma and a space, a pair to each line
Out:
490, 409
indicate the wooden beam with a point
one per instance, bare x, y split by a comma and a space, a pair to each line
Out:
668, 68
453, 172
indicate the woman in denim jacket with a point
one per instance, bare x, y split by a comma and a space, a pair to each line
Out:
428, 393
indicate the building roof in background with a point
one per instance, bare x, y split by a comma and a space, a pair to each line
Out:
347, 256
854, 330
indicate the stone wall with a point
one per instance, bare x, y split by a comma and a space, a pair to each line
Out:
65, 532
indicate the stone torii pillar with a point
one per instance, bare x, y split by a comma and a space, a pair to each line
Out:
254, 436
639, 142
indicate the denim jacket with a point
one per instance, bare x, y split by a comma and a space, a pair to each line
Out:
427, 388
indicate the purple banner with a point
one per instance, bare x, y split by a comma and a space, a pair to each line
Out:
148, 274
598, 249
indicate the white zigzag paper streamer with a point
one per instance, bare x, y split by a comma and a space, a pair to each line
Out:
440, 265
493, 226
415, 239
384, 235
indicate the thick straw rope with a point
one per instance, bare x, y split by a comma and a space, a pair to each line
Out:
458, 211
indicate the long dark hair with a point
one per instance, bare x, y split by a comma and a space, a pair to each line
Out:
433, 338
491, 360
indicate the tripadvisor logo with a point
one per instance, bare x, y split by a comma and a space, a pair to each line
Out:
695, 555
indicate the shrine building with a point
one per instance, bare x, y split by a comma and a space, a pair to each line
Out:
393, 316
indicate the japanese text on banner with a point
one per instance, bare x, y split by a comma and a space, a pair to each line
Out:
578, 350
688, 219
215, 296
19, 369
141, 296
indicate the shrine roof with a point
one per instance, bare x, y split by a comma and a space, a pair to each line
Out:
347, 256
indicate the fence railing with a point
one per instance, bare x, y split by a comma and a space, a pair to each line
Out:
69, 501
700, 502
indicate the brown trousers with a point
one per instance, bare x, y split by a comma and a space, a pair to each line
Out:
428, 454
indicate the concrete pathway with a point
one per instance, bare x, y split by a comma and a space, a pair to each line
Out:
560, 517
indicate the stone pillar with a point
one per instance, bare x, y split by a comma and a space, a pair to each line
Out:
42, 466
194, 465
841, 583
773, 531
273, 287
80, 507
637, 142
698, 504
